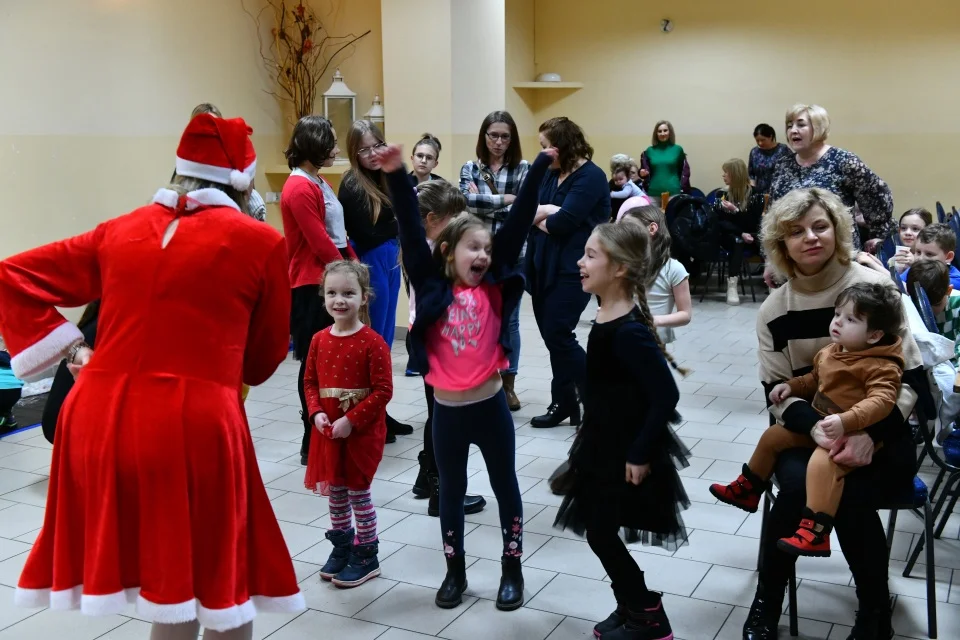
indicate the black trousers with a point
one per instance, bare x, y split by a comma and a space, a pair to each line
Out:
735, 250
308, 315
857, 523
557, 310
626, 578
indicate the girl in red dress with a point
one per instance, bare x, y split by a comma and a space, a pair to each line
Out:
155, 495
348, 382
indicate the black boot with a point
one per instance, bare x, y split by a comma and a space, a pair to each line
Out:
764, 616
873, 624
649, 623
614, 620
510, 595
454, 584
556, 414
398, 428
471, 504
421, 488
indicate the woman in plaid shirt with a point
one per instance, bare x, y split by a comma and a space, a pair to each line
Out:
491, 184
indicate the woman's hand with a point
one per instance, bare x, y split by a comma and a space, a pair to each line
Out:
854, 450
390, 156
472, 188
341, 428
543, 211
80, 360
644, 173
746, 237
553, 152
637, 472
780, 393
729, 206
770, 277
871, 245
508, 198
871, 262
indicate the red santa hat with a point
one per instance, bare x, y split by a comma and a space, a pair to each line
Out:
218, 150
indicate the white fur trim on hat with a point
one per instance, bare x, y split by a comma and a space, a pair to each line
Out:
195, 199
220, 175
35, 361
239, 180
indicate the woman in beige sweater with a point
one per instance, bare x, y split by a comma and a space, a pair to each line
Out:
807, 237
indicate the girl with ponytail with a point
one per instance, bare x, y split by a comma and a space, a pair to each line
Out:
622, 471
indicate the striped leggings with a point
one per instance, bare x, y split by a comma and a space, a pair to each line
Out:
343, 501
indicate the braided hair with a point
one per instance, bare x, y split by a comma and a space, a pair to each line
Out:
628, 245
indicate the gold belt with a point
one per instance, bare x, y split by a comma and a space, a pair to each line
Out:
345, 396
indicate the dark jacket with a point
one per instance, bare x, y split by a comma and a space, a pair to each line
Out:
584, 201
434, 289
743, 221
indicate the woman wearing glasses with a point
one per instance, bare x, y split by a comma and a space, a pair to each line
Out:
491, 184
372, 229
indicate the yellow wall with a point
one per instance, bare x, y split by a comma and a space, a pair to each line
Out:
887, 71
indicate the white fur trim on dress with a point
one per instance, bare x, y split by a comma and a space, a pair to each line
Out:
35, 361
220, 175
116, 603
195, 199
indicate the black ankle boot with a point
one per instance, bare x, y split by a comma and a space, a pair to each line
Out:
421, 488
471, 504
872, 624
510, 595
454, 584
398, 428
650, 622
556, 414
764, 616
614, 620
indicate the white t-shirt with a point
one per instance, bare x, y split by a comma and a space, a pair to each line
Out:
660, 295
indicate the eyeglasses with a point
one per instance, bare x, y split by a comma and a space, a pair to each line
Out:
494, 137
425, 157
366, 151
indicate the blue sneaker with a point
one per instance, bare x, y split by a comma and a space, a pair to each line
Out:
340, 556
363, 566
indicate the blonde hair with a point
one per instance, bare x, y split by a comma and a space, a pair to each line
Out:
362, 273
739, 190
374, 186
628, 245
791, 208
449, 238
659, 242
818, 116
185, 184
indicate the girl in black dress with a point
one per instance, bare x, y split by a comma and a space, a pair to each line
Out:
622, 470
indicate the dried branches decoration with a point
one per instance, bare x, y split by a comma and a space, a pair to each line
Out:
297, 50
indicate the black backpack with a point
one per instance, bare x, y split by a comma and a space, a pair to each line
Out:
692, 222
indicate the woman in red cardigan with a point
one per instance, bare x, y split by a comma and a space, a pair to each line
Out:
315, 235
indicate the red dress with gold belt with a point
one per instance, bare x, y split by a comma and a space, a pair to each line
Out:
347, 375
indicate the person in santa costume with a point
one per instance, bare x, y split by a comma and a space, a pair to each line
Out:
155, 495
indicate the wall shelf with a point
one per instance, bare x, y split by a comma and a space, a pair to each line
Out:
548, 85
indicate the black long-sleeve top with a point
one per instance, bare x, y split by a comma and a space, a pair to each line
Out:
358, 219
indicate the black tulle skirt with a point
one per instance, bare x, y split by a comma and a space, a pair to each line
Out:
595, 491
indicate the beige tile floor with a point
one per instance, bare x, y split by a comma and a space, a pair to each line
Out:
708, 584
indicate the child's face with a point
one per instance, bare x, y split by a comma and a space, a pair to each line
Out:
424, 160
471, 256
932, 251
850, 331
342, 296
620, 178
597, 272
910, 228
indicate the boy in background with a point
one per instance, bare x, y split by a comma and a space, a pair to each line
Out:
937, 242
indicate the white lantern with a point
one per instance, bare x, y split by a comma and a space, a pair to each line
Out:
375, 114
340, 107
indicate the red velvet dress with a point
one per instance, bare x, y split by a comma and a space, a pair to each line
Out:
155, 494
337, 366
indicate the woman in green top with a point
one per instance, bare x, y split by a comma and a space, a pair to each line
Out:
663, 166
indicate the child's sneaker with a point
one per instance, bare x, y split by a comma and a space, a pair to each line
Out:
613, 621
363, 566
812, 537
650, 623
7, 424
744, 492
340, 556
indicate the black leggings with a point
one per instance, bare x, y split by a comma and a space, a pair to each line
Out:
8, 398
431, 458
857, 524
625, 575
488, 425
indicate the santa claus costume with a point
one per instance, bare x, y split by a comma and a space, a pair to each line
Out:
155, 494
